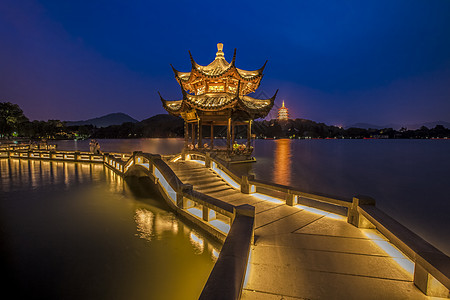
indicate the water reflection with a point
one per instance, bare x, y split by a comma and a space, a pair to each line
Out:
150, 145
197, 242
79, 225
145, 222
282, 162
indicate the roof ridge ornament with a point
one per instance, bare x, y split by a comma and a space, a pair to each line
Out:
220, 53
233, 61
162, 99
275, 95
193, 63
263, 67
174, 71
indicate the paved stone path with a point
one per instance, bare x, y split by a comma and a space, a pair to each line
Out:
301, 253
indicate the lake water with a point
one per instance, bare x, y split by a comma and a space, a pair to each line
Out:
409, 179
78, 231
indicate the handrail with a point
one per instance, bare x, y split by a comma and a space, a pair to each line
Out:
226, 280
220, 163
341, 201
222, 206
362, 213
428, 259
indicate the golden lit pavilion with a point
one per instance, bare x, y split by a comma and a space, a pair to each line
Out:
217, 95
283, 113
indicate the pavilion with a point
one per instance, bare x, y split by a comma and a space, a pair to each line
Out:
217, 95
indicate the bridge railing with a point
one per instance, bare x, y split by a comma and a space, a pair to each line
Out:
233, 225
53, 155
431, 266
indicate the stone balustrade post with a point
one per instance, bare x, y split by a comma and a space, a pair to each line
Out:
291, 199
246, 187
354, 217
134, 155
205, 213
181, 201
427, 284
208, 160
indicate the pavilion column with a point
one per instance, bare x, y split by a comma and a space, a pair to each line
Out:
249, 133
233, 133
186, 134
212, 135
193, 134
229, 134
200, 125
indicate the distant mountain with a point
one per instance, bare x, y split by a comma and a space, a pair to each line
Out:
105, 121
429, 125
159, 126
162, 125
398, 126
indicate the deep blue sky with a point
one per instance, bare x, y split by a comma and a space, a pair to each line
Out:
339, 62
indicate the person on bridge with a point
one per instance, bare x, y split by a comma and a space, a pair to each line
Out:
235, 146
91, 146
97, 148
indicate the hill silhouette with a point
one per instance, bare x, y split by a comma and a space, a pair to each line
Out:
104, 121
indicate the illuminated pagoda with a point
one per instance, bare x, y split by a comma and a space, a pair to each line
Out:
283, 113
216, 95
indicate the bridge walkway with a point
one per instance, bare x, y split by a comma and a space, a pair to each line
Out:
303, 253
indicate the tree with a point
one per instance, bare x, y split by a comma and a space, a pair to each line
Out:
12, 119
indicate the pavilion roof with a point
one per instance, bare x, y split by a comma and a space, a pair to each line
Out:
218, 68
257, 108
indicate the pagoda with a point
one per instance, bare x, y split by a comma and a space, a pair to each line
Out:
283, 113
217, 95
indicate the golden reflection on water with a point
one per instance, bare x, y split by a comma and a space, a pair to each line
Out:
111, 215
144, 220
36, 173
283, 162
197, 242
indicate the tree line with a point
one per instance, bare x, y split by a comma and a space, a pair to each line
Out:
13, 123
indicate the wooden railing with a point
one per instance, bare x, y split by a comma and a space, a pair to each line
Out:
232, 225
431, 266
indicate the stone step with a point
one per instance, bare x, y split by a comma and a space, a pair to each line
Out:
214, 189
203, 186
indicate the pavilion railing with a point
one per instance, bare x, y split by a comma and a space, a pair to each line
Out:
431, 266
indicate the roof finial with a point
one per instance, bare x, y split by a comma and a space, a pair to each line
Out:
219, 53
193, 63
175, 71
233, 61
283, 103
262, 68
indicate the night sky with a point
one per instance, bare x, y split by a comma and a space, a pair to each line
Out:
338, 62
